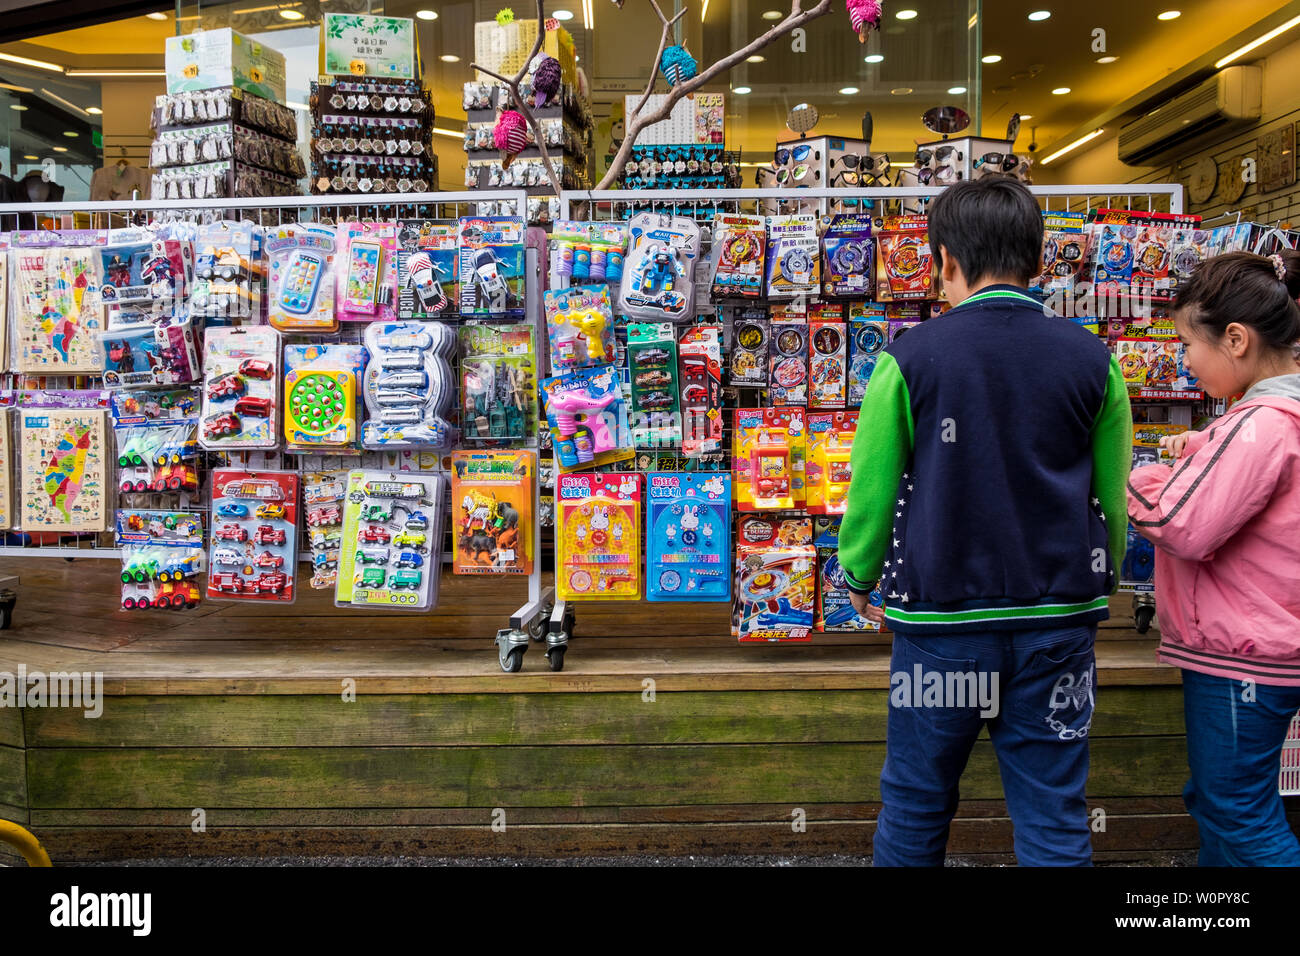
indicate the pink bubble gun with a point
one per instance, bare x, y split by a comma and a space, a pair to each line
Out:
577, 417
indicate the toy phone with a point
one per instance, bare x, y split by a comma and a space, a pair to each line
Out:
364, 258
301, 279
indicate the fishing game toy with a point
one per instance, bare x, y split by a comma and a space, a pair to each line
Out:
598, 537
587, 417
793, 263
740, 247
498, 382
150, 355
240, 393
750, 341
254, 546
847, 263
427, 269
828, 470
493, 492
776, 583
320, 397
789, 362
322, 495
366, 271
300, 278
699, 361
658, 280
391, 548
868, 336
835, 611
162, 556
827, 359
409, 385
768, 452
652, 356
580, 327
688, 534
491, 266
905, 266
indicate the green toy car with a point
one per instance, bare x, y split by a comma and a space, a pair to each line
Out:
405, 579
371, 578
410, 539
378, 512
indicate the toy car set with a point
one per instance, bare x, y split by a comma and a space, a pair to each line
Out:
254, 543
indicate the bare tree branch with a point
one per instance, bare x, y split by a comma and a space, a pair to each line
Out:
663, 43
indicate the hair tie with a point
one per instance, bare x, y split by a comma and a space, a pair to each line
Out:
1279, 267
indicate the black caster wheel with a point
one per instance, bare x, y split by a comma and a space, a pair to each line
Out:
538, 631
556, 657
1142, 618
7, 601
513, 662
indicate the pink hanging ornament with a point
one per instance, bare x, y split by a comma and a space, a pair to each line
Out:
510, 134
864, 15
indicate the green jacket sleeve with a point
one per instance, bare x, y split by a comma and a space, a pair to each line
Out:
880, 454
1112, 457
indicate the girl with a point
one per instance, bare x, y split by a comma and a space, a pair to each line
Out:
1225, 521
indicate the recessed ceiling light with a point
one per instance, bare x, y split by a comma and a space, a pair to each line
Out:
28, 61
955, 90
156, 16
1025, 116
563, 14
874, 58
756, 58
848, 90
906, 15
991, 58
741, 90
70, 134
449, 58
59, 149
31, 157
1169, 15
432, 14
901, 90
1040, 15
292, 14
1060, 91
772, 15
94, 111
1107, 59
19, 107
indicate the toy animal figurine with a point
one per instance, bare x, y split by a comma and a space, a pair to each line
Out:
477, 542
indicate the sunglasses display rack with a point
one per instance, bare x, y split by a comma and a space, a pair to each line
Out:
947, 161
818, 161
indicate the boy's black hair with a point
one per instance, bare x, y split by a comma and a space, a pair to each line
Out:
1243, 287
991, 226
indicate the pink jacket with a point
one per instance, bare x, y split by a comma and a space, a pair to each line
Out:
1225, 521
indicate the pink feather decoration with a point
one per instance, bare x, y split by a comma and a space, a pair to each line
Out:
864, 15
510, 134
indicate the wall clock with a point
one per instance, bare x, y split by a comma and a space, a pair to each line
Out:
1202, 179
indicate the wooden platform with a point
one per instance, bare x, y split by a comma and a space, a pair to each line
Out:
238, 710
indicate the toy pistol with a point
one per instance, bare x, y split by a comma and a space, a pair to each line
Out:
576, 413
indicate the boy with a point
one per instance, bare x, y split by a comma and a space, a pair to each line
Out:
988, 498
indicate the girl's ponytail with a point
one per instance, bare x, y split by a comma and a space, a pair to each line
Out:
1246, 288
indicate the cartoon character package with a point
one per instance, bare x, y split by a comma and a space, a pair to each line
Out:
580, 326
769, 447
143, 356
868, 336
828, 470
739, 252
688, 535
905, 264
828, 354
598, 537
751, 339
835, 611
788, 373
848, 265
793, 263
587, 417
776, 580
659, 276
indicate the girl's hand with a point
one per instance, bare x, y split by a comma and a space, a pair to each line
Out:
1174, 444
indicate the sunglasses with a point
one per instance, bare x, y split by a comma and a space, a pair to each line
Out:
923, 156
798, 154
1006, 161
798, 174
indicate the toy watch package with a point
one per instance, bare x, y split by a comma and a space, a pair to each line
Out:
150, 355
391, 549
322, 495
587, 252
227, 272
587, 417
847, 266
254, 546
241, 390
835, 611
598, 537
652, 357
739, 251
659, 277
580, 327
699, 362
300, 277
162, 557
828, 356
366, 271
427, 282
409, 385
56, 302
828, 472
491, 266
905, 265
751, 339
788, 373
768, 452
492, 498
498, 382
688, 537
63, 462
868, 336
321, 405
776, 581
793, 263
1065, 250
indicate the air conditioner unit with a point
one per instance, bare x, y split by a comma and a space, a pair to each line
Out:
1227, 100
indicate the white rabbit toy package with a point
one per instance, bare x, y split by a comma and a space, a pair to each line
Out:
688, 531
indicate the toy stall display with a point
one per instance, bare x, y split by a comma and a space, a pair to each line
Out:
254, 545
57, 308
739, 252
322, 495
580, 326
300, 278
659, 275
835, 611
162, 557
367, 272
427, 269
652, 358
688, 537
391, 547
63, 462
492, 492
490, 266
775, 586
241, 367
321, 405
598, 536
587, 418
498, 382
409, 385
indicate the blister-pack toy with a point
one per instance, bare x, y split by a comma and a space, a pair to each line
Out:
427, 281
300, 277
391, 550
768, 453
254, 548
491, 266
322, 495
587, 417
143, 356
321, 405
699, 362
652, 357
848, 265
1137, 571
155, 456
793, 262
659, 277
751, 340
1134, 250
827, 471
580, 327
776, 582
1156, 367
241, 400
835, 611
788, 372
145, 277
409, 385
1065, 250
228, 272
492, 500
162, 557
598, 537
498, 382
63, 459
1189, 248
739, 251
365, 268
588, 252
868, 336
898, 327
688, 537
828, 356
905, 265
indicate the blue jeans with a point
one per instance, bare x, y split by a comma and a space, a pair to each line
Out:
1039, 722
1234, 749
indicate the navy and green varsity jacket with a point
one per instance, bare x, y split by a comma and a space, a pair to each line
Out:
989, 471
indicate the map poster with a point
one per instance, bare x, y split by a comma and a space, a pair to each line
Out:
64, 469
6, 469
57, 310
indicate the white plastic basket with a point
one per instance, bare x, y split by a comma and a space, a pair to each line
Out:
1288, 783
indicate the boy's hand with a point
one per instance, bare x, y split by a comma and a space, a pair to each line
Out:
866, 609
1174, 444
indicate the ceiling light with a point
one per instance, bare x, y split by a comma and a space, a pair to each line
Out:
94, 111
848, 90
1040, 15
1075, 145
1254, 43
704, 10
772, 15
292, 14
433, 14
59, 149
449, 133
1169, 15
449, 58
742, 90
588, 15
906, 15
19, 107
116, 73
756, 58
1025, 116
64, 103
901, 90
16, 89
27, 61
991, 58
955, 90
70, 134
156, 16
1107, 59
563, 14
31, 157
1060, 91
874, 58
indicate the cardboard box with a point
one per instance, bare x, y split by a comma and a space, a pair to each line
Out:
218, 58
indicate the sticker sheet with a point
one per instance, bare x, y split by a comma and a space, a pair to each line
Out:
64, 469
